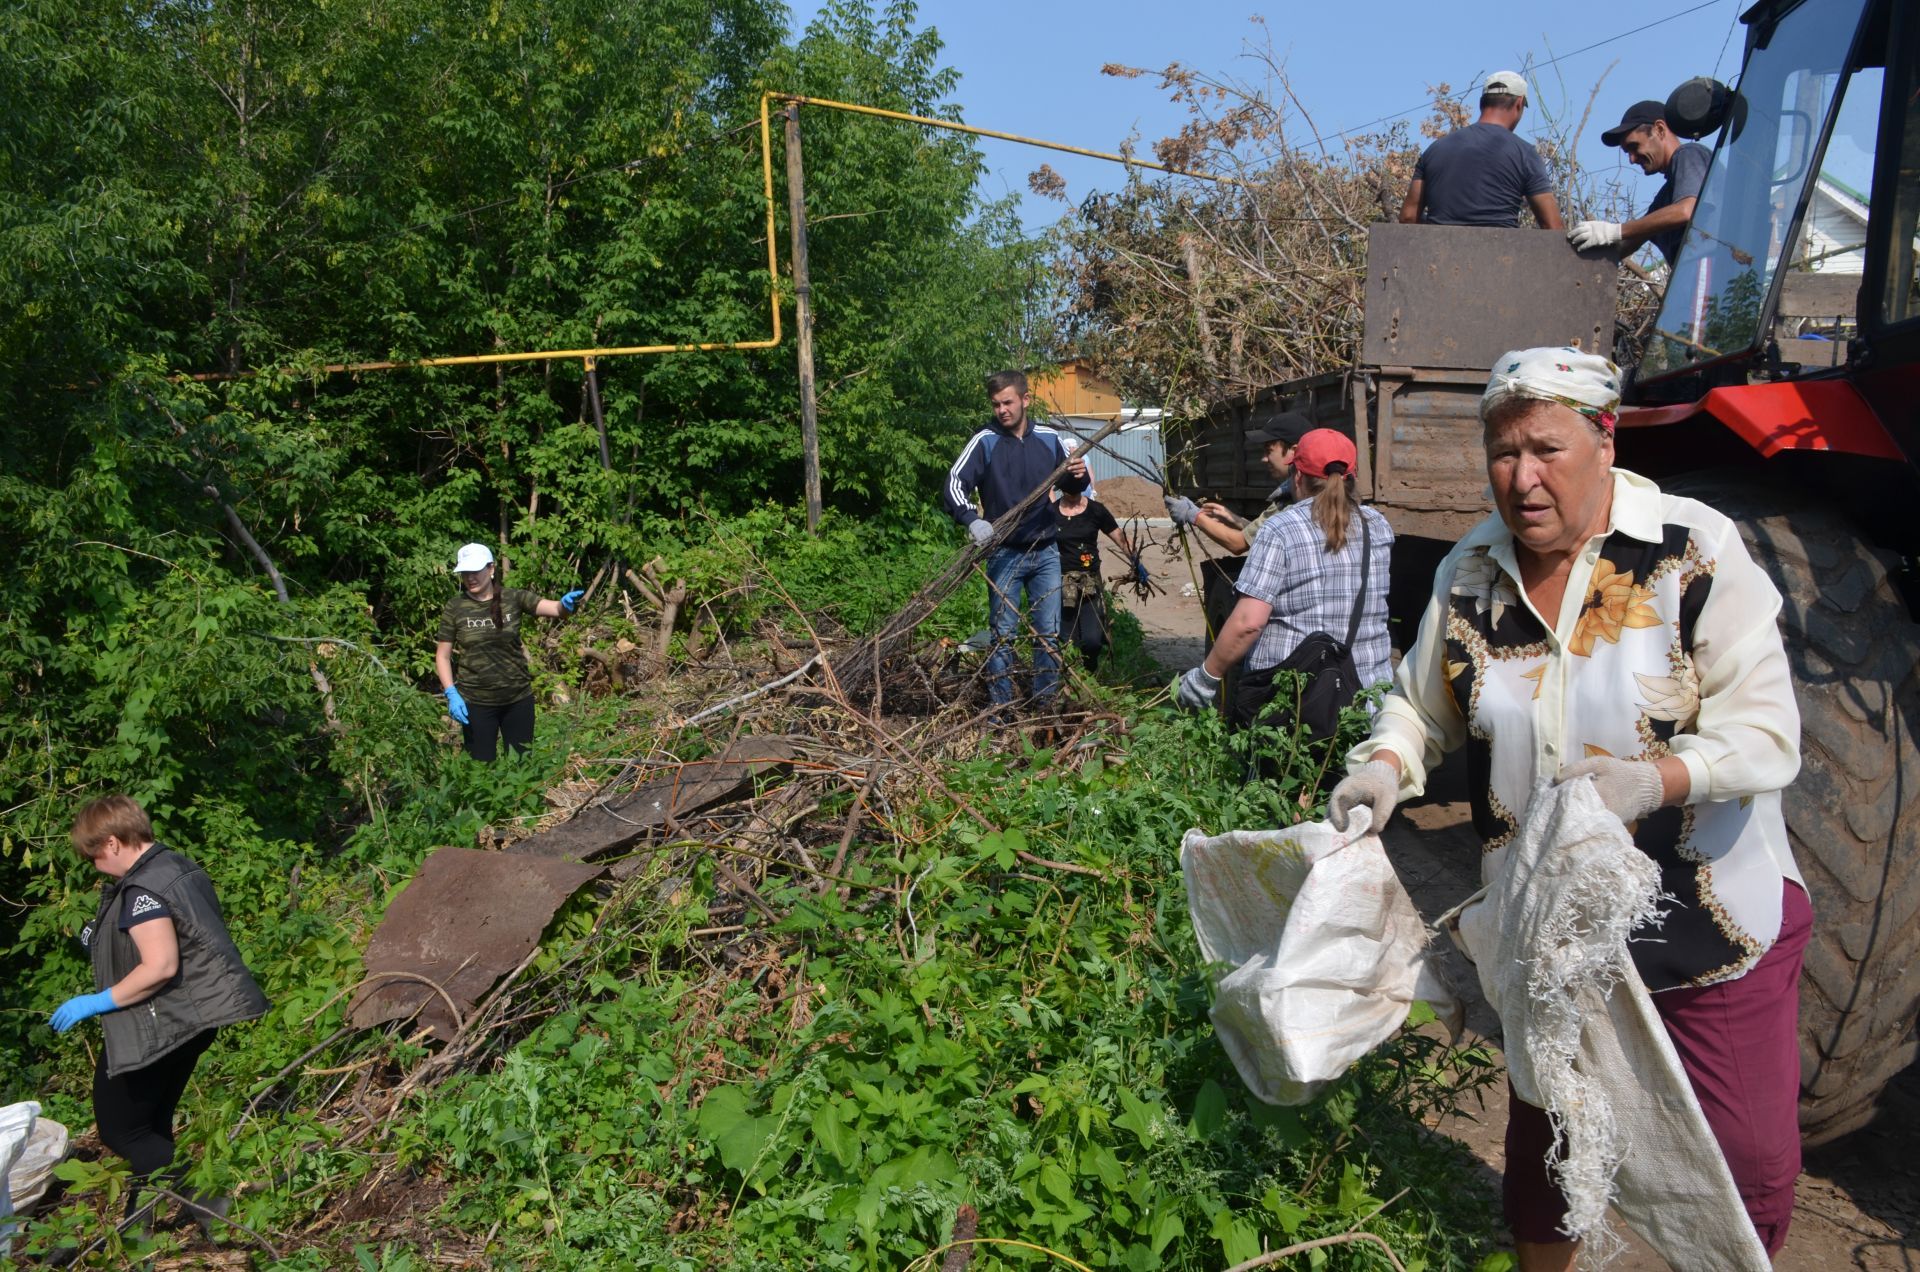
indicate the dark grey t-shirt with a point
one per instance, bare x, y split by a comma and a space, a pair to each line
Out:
1685, 175
1480, 175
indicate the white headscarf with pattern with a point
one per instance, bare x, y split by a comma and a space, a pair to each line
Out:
1585, 382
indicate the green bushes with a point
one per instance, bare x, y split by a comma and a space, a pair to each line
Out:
1029, 1043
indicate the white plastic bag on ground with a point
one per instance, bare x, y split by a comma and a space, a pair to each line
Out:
16, 1128
30, 1147
1325, 949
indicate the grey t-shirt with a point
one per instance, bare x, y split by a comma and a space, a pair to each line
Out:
1685, 175
1479, 175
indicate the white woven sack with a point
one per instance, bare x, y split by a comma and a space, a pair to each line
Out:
1324, 950
30, 1147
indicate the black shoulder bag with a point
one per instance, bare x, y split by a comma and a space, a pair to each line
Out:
1324, 663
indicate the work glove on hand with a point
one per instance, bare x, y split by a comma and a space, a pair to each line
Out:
80, 1007
571, 599
1589, 234
1374, 786
1183, 510
1629, 788
1140, 574
981, 529
1196, 689
456, 706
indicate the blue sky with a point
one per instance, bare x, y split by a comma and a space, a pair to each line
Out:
1034, 67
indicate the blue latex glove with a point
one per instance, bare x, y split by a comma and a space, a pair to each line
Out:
572, 599
80, 1007
456, 706
1140, 572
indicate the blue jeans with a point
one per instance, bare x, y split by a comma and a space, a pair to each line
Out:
1037, 571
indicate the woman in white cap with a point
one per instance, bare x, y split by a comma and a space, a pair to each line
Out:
1596, 626
492, 700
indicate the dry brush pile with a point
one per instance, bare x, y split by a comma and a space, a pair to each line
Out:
1186, 292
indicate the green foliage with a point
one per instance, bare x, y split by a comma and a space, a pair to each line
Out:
221, 592
1036, 1047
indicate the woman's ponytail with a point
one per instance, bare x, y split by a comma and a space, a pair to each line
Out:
1334, 504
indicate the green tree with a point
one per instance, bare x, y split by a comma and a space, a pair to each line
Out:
220, 588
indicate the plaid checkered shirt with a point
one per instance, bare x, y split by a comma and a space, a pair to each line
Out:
1312, 590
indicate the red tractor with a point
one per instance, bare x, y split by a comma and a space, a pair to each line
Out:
1781, 384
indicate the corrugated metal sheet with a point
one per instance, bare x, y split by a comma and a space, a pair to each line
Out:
1135, 444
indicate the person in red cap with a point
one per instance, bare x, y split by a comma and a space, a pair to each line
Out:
1653, 148
1319, 566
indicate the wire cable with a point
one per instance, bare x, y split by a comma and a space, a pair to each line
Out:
1612, 39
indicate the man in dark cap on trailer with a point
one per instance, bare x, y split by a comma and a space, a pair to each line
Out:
1483, 174
1653, 148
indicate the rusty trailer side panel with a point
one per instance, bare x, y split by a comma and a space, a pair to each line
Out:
1454, 297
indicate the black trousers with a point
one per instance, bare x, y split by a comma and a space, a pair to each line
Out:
135, 1110
1085, 626
486, 727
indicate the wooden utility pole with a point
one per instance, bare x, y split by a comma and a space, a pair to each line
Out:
803, 316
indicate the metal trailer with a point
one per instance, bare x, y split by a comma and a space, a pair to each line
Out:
1442, 302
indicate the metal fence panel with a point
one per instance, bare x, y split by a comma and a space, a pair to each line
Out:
1134, 451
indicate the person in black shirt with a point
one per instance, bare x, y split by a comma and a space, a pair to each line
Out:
1078, 524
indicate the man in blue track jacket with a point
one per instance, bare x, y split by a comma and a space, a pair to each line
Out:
1004, 462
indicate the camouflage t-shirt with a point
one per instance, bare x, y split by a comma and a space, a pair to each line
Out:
490, 665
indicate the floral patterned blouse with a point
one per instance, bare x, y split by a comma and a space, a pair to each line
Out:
1665, 644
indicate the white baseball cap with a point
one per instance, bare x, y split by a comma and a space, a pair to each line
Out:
474, 556
1512, 83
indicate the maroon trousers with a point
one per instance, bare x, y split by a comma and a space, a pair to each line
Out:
1739, 1043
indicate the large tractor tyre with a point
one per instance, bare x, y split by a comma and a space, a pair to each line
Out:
1854, 813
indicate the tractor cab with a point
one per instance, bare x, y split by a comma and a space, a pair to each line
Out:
1792, 313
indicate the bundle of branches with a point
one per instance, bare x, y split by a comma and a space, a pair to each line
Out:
782, 844
1203, 291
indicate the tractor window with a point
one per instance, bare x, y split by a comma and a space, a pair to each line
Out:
1767, 157
1903, 274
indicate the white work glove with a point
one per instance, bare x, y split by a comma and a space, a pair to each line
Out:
981, 529
1374, 786
1183, 510
1196, 689
1589, 234
1629, 788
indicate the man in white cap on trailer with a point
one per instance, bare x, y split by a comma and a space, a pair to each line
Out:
1483, 174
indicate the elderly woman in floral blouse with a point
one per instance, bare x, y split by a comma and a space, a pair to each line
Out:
1599, 627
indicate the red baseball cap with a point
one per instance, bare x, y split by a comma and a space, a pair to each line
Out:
1320, 449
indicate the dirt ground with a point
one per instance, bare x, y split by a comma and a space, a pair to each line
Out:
1858, 1200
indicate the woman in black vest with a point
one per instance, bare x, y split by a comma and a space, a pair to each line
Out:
167, 977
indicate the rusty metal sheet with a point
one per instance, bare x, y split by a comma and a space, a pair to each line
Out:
467, 919
1428, 452
624, 820
1458, 297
